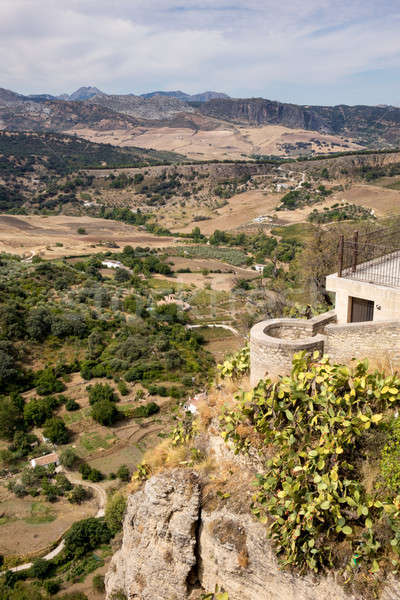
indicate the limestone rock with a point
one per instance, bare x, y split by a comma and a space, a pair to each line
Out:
159, 542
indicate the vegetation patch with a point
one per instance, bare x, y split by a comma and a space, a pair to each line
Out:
319, 429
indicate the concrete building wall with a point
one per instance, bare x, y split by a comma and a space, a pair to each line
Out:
386, 299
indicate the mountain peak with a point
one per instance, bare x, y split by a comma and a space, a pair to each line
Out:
84, 93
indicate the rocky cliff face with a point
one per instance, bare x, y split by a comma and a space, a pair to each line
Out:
158, 552
182, 538
174, 538
371, 123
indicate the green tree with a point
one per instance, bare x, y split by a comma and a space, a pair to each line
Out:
86, 535
101, 391
123, 473
115, 510
79, 494
56, 431
104, 412
68, 458
11, 419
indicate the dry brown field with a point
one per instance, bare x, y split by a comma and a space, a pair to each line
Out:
242, 209
226, 141
39, 234
22, 530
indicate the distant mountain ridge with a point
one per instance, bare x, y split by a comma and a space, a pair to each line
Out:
203, 97
89, 107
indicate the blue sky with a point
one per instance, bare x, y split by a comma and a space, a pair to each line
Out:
302, 51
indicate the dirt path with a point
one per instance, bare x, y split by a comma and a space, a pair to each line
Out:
220, 325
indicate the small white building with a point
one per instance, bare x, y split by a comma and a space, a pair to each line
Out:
192, 403
367, 284
259, 268
112, 264
46, 460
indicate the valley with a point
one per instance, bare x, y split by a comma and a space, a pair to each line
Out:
133, 260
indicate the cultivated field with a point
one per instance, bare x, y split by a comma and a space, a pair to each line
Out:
225, 141
241, 210
31, 524
57, 236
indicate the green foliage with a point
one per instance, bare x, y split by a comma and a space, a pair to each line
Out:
47, 383
98, 583
79, 494
86, 535
124, 473
101, 391
40, 568
11, 418
341, 212
145, 410
104, 412
123, 388
38, 410
56, 431
390, 459
314, 423
68, 458
237, 365
72, 405
115, 510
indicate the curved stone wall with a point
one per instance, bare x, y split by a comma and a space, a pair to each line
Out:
273, 344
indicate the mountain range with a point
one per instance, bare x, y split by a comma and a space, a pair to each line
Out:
90, 108
84, 93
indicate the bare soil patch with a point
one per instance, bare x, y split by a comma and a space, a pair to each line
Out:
222, 141
39, 234
22, 530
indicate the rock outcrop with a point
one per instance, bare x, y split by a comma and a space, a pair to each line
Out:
158, 552
176, 541
170, 542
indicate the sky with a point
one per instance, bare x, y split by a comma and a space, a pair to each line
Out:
301, 51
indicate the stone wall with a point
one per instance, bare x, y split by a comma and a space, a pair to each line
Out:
377, 341
273, 343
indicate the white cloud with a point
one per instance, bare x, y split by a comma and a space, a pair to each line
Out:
242, 47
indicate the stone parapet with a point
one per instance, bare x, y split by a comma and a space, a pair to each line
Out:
274, 342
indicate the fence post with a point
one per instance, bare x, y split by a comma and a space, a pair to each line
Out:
355, 251
341, 248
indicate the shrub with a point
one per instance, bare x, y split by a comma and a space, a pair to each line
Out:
56, 431
104, 412
40, 568
123, 388
101, 391
98, 583
123, 473
47, 383
316, 424
95, 475
146, 410
38, 410
79, 494
52, 586
86, 535
68, 458
71, 404
115, 510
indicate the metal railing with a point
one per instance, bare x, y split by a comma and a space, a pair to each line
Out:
373, 257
